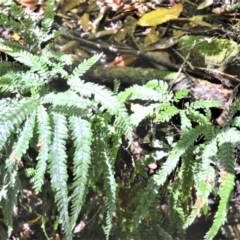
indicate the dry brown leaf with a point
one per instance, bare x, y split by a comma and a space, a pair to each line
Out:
28, 4
160, 16
123, 60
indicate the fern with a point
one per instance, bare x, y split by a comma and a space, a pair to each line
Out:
205, 178
226, 182
148, 197
110, 188
181, 147
58, 169
81, 133
76, 134
44, 140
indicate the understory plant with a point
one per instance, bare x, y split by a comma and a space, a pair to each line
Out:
34, 115
65, 134
202, 159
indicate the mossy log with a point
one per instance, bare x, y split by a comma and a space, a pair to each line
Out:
199, 89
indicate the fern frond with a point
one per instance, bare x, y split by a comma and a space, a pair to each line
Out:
110, 188
227, 176
165, 112
226, 117
13, 115
109, 101
67, 99
6, 67
187, 168
182, 145
163, 234
44, 141
22, 143
143, 93
48, 17
205, 178
82, 136
58, 169
36, 63
185, 122
116, 86
16, 26
204, 104
198, 117
159, 85
179, 95
82, 68
175, 207
148, 196
141, 112
9, 82
10, 201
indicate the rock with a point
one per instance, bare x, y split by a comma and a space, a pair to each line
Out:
208, 52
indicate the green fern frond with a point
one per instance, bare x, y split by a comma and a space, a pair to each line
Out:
13, 115
179, 95
110, 188
175, 207
44, 141
148, 196
159, 85
109, 101
185, 122
58, 169
82, 136
198, 117
11, 199
205, 178
187, 169
16, 26
205, 104
141, 112
181, 147
236, 122
227, 115
22, 143
67, 99
163, 234
227, 176
165, 112
9, 82
116, 86
36, 63
141, 92
81, 69
6, 67
234, 136
48, 17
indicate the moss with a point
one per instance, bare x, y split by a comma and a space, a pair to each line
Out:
208, 52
